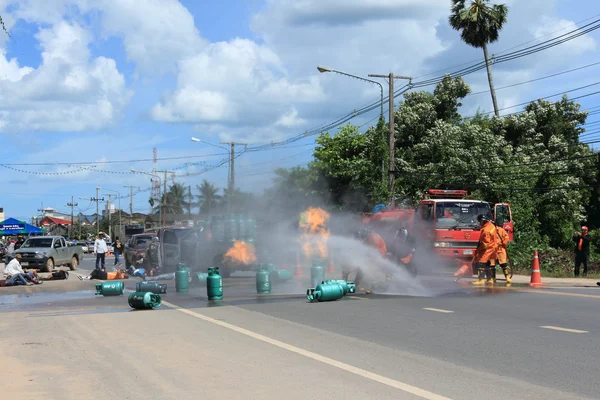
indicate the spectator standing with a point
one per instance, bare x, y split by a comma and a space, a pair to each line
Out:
582, 250
118, 250
100, 249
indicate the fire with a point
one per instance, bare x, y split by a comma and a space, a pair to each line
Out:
315, 234
240, 252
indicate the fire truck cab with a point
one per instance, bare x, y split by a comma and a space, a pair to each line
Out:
446, 222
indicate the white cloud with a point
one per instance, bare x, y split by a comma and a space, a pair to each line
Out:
235, 82
69, 91
290, 119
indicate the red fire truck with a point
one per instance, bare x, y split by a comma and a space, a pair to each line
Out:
444, 222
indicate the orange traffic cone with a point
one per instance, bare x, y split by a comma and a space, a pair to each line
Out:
462, 271
536, 277
298, 267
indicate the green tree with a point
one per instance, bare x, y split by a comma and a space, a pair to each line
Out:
208, 197
176, 201
350, 165
480, 23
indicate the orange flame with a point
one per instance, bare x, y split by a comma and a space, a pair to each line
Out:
240, 252
315, 234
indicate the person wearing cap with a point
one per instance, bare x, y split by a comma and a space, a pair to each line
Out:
100, 249
486, 251
582, 250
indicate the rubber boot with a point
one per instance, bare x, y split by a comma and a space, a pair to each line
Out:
506, 275
490, 275
479, 281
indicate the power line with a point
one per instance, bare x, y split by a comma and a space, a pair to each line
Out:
537, 79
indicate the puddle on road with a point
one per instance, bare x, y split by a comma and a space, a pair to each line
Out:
44, 297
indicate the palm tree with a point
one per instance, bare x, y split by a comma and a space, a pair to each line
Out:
175, 200
480, 24
208, 197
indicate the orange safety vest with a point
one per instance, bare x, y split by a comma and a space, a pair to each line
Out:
487, 247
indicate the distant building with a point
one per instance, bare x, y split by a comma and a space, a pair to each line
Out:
55, 226
153, 220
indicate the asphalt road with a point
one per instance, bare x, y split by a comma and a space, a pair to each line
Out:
63, 342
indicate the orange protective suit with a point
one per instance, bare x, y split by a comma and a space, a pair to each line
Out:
487, 247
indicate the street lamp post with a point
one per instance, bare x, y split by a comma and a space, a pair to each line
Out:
230, 177
119, 194
323, 69
164, 194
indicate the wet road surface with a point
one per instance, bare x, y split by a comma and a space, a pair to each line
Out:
465, 342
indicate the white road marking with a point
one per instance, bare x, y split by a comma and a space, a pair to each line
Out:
439, 310
356, 298
317, 357
558, 328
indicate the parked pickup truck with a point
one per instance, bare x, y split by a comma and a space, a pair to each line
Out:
136, 247
47, 252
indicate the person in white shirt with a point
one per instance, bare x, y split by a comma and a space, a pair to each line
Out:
100, 249
14, 272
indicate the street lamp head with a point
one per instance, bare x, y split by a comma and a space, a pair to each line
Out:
195, 139
134, 171
322, 69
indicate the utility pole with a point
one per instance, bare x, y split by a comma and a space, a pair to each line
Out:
392, 135
72, 204
163, 207
109, 216
131, 202
97, 200
231, 186
191, 200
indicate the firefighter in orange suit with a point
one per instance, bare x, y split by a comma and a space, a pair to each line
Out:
486, 251
501, 257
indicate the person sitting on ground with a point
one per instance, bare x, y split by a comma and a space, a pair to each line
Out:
14, 268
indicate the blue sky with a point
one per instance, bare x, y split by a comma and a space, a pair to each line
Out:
104, 82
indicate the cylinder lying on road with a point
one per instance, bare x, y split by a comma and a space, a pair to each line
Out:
144, 301
348, 287
152, 287
110, 288
325, 292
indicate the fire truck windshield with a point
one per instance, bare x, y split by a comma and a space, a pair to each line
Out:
459, 214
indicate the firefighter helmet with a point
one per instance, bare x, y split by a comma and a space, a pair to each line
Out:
484, 218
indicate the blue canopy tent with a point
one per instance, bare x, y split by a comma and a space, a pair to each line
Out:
11, 227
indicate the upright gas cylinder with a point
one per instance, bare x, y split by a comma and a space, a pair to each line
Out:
317, 273
214, 284
181, 278
144, 300
325, 292
349, 287
152, 287
263, 280
113, 288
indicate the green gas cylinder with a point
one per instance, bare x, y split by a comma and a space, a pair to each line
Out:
263, 281
317, 274
349, 287
202, 278
214, 284
181, 278
280, 275
325, 292
144, 300
114, 288
152, 287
